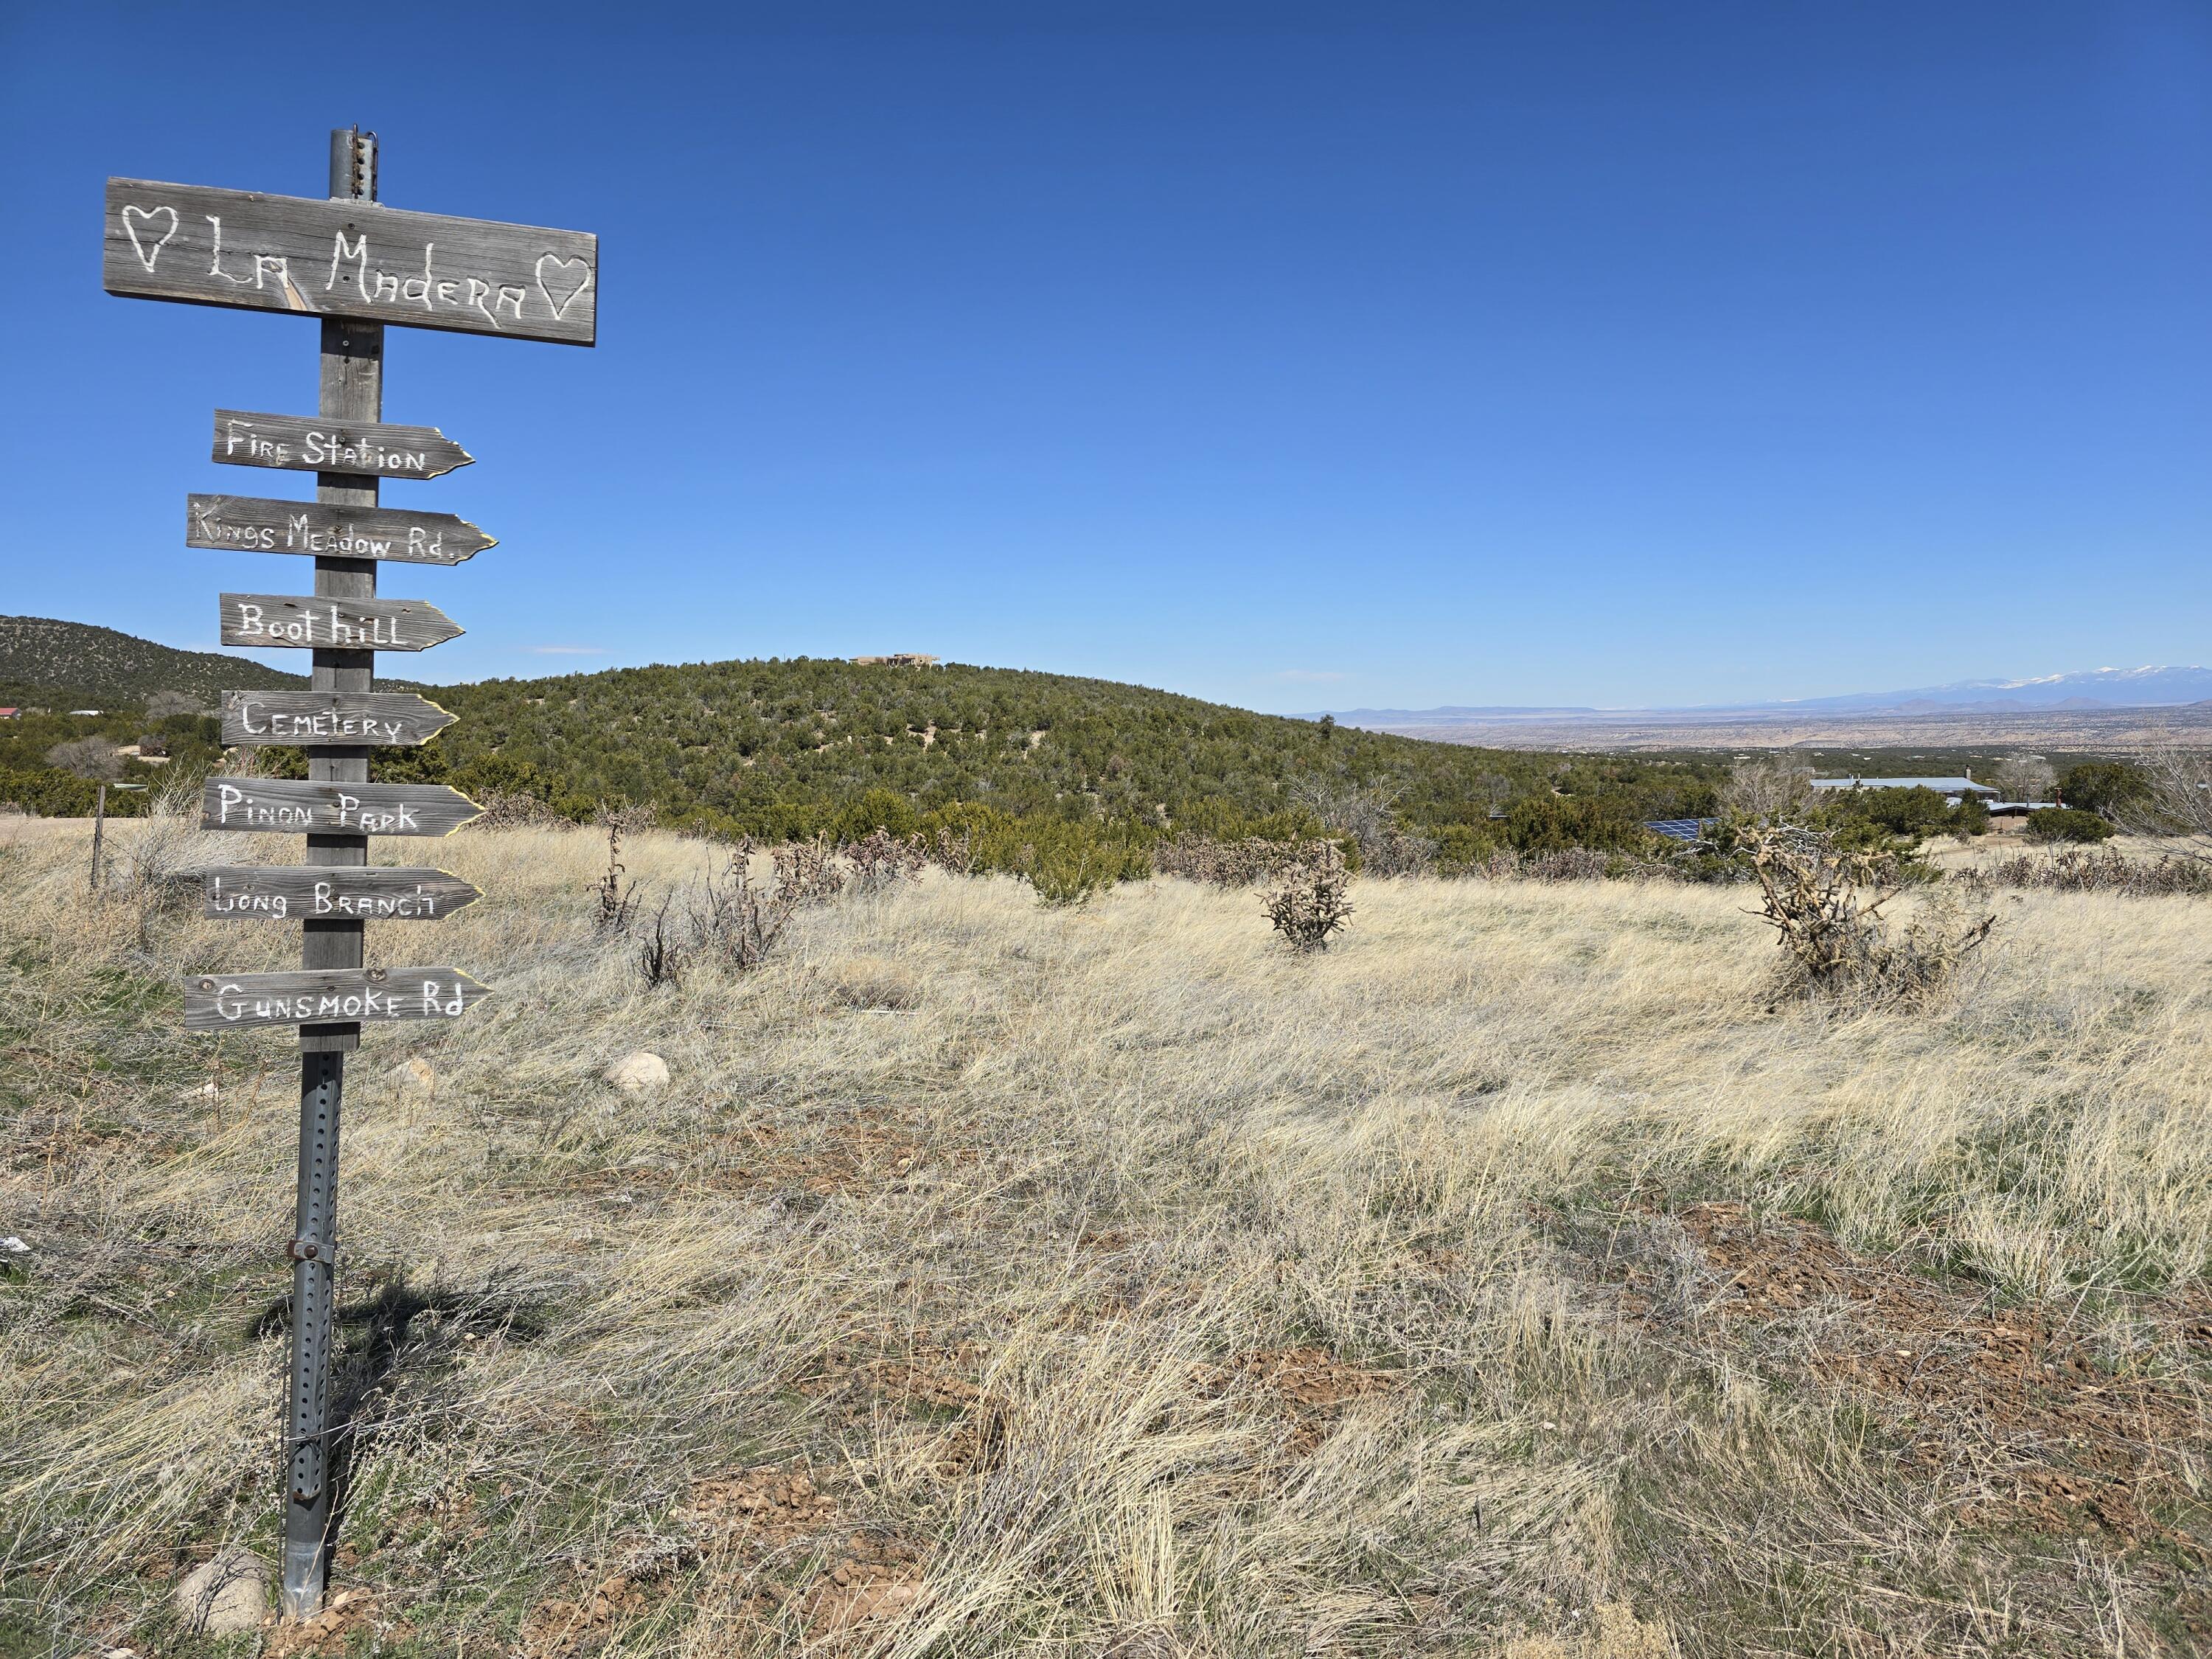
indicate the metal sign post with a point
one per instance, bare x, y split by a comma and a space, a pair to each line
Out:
357, 266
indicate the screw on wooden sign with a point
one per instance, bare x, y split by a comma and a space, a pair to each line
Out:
282, 892
368, 996
307, 443
287, 806
356, 266
330, 719
290, 621
349, 257
251, 524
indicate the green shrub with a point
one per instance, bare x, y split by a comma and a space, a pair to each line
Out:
2057, 824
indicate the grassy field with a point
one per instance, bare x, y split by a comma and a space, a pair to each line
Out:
1522, 1276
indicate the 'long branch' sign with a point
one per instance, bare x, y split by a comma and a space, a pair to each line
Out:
350, 259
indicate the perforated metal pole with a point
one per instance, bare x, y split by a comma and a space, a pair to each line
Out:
314, 1286
352, 390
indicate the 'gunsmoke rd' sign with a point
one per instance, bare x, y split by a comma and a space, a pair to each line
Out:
226, 1002
349, 258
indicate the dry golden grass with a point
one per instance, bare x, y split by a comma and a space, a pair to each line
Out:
1517, 1277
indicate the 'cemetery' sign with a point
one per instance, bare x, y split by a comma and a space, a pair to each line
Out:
349, 719
350, 259
307, 443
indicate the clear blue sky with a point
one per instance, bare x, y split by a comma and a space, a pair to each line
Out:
1295, 356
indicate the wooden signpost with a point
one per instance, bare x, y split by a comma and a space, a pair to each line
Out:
356, 266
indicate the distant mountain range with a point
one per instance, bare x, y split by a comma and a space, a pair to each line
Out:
2091, 689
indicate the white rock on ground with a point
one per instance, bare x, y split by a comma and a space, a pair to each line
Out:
638, 1069
225, 1596
414, 1073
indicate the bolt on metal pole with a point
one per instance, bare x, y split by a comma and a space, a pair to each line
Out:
352, 390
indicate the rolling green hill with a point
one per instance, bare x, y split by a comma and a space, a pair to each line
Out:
66, 665
781, 748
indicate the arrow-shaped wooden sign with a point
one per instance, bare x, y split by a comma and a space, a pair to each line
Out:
288, 807
292, 620
395, 719
250, 524
306, 443
284, 892
227, 1002
349, 257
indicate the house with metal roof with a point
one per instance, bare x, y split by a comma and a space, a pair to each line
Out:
1953, 790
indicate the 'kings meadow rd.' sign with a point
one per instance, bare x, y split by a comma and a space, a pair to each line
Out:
349, 258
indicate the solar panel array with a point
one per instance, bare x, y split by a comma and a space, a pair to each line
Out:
1679, 829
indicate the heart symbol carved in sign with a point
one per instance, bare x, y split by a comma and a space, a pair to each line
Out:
134, 218
570, 277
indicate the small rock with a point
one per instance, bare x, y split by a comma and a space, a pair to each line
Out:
12, 1245
225, 1596
207, 1090
636, 1070
414, 1074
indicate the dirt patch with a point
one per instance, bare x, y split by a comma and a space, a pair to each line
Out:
925, 1381
348, 1613
760, 1508
2054, 1437
1308, 1388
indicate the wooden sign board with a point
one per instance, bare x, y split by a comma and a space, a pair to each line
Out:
306, 443
390, 720
286, 806
349, 258
369, 996
277, 892
292, 620
252, 524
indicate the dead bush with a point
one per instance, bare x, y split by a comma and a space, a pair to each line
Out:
1824, 905
881, 859
1310, 901
2072, 870
1226, 863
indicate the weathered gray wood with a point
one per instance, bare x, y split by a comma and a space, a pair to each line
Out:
292, 620
327, 529
350, 259
287, 892
288, 806
309, 443
384, 720
360, 996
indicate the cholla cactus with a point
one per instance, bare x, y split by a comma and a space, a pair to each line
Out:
1309, 901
